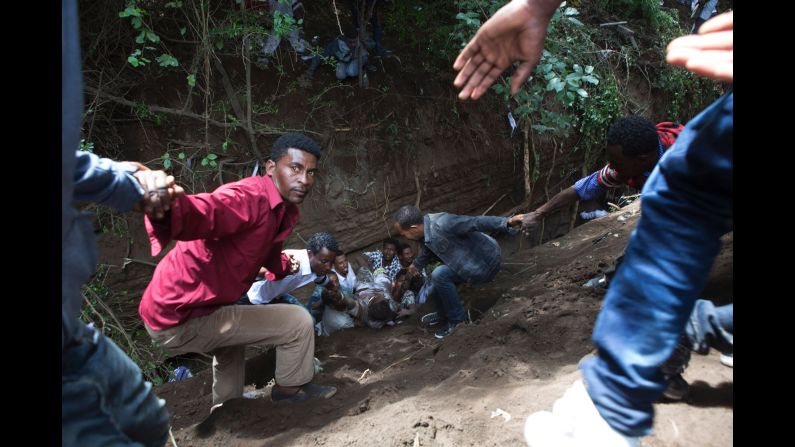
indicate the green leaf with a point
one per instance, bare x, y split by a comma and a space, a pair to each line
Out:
573, 77
211, 156
213, 163
140, 37
540, 128
167, 60
589, 69
522, 111
152, 36
575, 22
591, 79
136, 22
582, 93
181, 156
205, 161
167, 163
191, 80
130, 11
182, 31
570, 12
225, 146
544, 68
555, 84
133, 61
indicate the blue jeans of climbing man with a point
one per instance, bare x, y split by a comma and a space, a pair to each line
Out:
711, 326
686, 207
445, 294
104, 397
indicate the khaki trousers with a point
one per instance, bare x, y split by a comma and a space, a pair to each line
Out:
226, 332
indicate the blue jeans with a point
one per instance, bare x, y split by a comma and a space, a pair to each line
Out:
686, 208
443, 290
708, 327
711, 327
286, 299
317, 314
281, 299
349, 69
105, 399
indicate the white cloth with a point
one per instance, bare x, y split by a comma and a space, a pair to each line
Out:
349, 281
263, 292
334, 320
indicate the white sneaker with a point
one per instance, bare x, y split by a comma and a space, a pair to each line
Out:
573, 422
727, 360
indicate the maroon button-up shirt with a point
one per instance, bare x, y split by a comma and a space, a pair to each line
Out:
223, 238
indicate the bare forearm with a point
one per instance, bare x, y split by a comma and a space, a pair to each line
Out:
559, 201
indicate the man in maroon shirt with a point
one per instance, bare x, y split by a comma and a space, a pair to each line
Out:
223, 240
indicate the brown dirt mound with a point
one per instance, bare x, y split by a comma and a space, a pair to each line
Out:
401, 387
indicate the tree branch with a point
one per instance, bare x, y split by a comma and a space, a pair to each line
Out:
177, 112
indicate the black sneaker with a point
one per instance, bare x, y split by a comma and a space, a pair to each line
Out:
431, 319
445, 330
677, 362
677, 388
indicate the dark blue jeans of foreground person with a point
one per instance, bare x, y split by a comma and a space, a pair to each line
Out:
104, 397
445, 295
686, 207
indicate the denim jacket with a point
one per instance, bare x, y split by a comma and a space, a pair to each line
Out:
458, 241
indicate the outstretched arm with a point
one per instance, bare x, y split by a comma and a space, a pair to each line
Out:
710, 53
515, 33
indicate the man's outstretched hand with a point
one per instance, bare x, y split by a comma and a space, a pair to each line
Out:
159, 191
710, 53
514, 33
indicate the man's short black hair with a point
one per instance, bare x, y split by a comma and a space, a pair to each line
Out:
379, 310
635, 134
402, 247
294, 140
391, 240
320, 240
407, 216
416, 282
